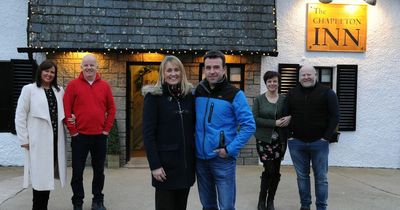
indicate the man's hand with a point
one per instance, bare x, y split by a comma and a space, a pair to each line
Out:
71, 120
159, 174
221, 152
26, 146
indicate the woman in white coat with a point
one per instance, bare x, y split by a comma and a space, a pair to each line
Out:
39, 124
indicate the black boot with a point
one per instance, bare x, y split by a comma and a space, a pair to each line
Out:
272, 190
270, 205
263, 192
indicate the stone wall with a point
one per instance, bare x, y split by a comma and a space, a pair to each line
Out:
113, 69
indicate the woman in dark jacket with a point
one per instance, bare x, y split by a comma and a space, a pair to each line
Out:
270, 136
168, 134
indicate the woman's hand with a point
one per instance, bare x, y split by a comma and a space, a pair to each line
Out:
26, 146
159, 174
283, 122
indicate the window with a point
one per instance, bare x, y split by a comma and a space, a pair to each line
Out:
325, 75
346, 88
235, 74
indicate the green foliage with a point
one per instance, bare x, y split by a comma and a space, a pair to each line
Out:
139, 78
113, 140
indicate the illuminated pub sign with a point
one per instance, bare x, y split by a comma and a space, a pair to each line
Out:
336, 27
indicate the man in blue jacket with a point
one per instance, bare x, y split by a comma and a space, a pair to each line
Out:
224, 124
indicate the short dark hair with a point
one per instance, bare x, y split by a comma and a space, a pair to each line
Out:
271, 74
44, 66
215, 54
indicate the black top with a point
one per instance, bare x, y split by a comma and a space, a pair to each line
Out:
314, 111
52, 101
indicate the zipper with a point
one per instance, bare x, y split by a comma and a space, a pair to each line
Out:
183, 131
211, 112
205, 114
204, 128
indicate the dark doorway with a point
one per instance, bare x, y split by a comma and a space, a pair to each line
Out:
139, 75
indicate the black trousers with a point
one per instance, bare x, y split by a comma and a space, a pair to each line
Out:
81, 146
171, 199
40, 199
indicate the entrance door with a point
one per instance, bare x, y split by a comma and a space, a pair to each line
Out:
140, 75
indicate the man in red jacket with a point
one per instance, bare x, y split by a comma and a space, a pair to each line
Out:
90, 100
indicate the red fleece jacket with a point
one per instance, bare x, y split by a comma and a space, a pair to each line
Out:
93, 106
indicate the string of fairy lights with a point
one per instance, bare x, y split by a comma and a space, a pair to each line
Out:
115, 49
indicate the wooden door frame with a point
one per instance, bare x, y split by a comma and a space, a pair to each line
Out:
128, 104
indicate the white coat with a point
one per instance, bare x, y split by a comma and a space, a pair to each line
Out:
33, 126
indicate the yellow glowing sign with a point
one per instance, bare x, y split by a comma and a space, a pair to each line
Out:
336, 27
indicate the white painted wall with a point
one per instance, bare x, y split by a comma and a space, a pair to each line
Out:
375, 143
11, 154
13, 23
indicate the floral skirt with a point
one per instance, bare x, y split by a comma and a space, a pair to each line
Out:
271, 151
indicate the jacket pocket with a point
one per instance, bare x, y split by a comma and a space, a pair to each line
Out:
211, 112
169, 155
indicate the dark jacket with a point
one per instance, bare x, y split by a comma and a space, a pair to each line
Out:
168, 135
314, 111
221, 111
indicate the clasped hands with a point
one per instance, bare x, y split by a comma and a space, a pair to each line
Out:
283, 122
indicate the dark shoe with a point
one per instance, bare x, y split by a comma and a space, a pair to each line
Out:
261, 206
270, 205
77, 207
98, 206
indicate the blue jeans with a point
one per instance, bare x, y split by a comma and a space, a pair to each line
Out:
217, 176
302, 154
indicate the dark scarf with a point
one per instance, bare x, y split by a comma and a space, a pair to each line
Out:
173, 90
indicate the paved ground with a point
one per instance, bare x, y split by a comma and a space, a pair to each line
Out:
129, 188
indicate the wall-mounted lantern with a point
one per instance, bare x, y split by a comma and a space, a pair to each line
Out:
370, 2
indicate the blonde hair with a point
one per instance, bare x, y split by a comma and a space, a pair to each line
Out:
186, 86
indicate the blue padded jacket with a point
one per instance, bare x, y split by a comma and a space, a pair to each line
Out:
221, 111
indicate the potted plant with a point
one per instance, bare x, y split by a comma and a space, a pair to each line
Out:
113, 148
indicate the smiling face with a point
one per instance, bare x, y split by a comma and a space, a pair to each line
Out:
89, 67
272, 84
172, 74
47, 76
307, 76
214, 70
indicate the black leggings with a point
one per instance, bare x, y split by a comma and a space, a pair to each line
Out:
272, 167
171, 199
40, 199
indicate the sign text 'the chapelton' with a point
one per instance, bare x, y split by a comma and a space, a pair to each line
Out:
336, 27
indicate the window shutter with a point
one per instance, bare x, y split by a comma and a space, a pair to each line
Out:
347, 96
289, 76
23, 72
6, 96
